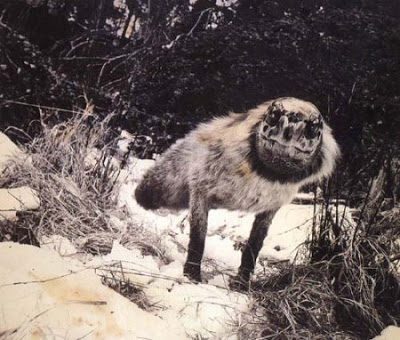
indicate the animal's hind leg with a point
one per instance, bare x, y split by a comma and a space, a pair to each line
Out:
198, 232
249, 256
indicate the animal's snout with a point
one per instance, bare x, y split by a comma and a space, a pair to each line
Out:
288, 133
283, 122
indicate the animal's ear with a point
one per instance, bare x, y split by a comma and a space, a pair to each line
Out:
277, 107
272, 106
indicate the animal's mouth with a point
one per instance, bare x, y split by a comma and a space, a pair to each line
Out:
273, 142
307, 152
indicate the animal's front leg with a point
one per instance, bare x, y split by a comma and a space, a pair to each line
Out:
249, 256
198, 231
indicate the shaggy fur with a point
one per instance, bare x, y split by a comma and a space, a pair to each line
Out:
255, 161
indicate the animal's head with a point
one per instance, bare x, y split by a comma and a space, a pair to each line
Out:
293, 136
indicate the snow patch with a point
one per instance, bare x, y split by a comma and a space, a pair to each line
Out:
45, 297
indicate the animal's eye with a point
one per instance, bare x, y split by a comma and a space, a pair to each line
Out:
312, 129
294, 118
273, 117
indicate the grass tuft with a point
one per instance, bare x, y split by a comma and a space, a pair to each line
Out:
348, 289
73, 173
117, 281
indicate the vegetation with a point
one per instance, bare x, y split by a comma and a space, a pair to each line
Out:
72, 169
158, 68
184, 62
348, 289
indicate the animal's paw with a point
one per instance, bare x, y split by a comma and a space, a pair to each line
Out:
192, 272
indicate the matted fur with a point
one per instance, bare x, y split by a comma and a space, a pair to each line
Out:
218, 164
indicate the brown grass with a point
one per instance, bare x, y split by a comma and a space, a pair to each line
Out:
76, 178
73, 174
116, 280
349, 288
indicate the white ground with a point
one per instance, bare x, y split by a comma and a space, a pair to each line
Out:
210, 310
55, 292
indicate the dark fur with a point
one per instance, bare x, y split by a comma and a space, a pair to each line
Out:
281, 174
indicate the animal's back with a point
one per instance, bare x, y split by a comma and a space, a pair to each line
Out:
165, 185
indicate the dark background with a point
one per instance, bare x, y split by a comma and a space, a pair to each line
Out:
185, 63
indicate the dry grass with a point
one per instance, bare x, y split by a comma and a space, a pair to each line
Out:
149, 243
76, 179
349, 289
116, 280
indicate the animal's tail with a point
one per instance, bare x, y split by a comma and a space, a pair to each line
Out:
165, 185
149, 192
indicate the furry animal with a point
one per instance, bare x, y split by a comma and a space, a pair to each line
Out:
254, 161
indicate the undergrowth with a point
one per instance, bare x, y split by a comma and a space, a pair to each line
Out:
348, 288
72, 169
116, 280
72, 172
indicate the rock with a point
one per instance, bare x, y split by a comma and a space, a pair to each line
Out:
389, 333
8, 215
17, 199
8, 151
22, 198
42, 295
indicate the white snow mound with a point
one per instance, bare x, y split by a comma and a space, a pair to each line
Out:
389, 333
44, 297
